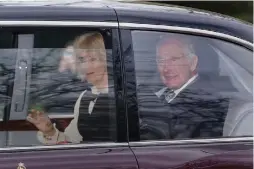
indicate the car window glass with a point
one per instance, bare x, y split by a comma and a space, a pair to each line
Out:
231, 61
73, 88
191, 87
7, 70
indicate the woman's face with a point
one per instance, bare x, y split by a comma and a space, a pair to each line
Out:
92, 66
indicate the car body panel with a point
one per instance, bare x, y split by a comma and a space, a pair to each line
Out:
144, 14
57, 13
172, 16
211, 156
78, 158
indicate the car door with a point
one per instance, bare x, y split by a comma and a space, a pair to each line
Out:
38, 70
162, 135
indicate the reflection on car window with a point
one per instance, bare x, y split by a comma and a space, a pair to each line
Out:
55, 90
231, 62
70, 89
183, 89
7, 69
8, 54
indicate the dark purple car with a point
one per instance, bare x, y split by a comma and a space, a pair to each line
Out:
209, 127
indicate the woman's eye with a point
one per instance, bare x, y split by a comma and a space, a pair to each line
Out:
81, 59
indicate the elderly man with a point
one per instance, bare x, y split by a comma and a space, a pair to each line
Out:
177, 67
186, 105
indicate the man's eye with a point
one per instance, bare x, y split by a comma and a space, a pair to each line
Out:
81, 59
175, 58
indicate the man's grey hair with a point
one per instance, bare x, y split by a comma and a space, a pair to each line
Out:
188, 49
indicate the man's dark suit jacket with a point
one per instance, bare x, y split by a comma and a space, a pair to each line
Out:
198, 111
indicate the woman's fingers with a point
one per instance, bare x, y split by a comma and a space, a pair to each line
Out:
40, 120
31, 119
36, 117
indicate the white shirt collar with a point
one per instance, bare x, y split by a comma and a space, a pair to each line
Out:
98, 91
177, 91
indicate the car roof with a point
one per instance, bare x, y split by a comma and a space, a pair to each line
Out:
127, 12
172, 15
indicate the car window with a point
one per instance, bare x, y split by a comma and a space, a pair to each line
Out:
7, 69
8, 56
68, 76
191, 87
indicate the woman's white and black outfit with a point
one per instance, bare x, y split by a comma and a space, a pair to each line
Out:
93, 114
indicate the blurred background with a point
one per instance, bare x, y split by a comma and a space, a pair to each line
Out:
239, 9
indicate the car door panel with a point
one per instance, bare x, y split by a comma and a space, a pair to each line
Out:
20, 146
191, 156
153, 151
81, 157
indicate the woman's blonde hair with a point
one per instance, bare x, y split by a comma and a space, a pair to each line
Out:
92, 42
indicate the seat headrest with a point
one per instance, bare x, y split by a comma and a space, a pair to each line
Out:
208, 59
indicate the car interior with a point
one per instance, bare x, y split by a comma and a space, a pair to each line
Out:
239, 118
238, 121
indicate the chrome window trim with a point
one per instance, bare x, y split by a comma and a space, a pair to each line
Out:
190, 141
61, 116
126, 25
132, 144
58, 23
61, 147
186, 30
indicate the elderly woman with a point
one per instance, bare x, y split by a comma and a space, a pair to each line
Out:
91, 111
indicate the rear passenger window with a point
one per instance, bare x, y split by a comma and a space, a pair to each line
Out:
8, 55
7, 70
192, 87
66, 87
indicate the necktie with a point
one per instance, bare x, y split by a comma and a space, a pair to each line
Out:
86, 100
168, 95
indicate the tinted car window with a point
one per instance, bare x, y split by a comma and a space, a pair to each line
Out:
7, 70
59, 86
191, 87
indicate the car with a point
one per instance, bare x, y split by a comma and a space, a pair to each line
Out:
33, 38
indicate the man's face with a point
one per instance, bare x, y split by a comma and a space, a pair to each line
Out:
175, 68
92, 66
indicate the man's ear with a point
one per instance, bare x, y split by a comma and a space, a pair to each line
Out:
194, 63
